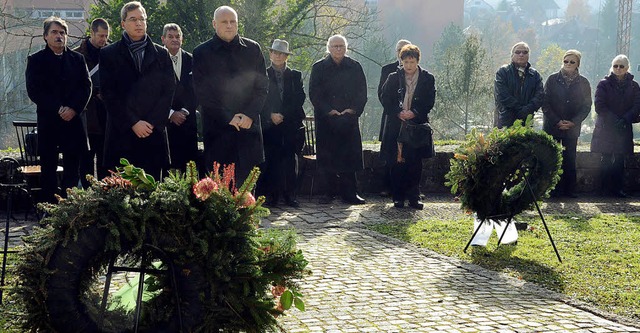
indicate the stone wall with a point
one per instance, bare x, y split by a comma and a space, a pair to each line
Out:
370, 180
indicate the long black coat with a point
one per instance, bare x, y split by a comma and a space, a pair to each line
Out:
284, 135
384, 74
338, 87
516, 99
393, 93
183, 139
230, 78
565, 102
131, 96
53, 82
95, 114
614, 102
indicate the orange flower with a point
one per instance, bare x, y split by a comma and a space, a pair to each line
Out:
460, 157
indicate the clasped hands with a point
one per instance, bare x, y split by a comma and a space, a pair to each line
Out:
565, 125
240, 120
179, 117
345, 111
66, 113
406, 115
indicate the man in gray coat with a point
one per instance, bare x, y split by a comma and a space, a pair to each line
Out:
230, 79
338, 92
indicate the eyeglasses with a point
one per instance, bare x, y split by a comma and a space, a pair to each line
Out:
525, 52
618, 66
569, 62
137, 19
338, 46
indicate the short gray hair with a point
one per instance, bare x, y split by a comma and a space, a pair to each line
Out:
171, 26
518, 44
224, 8
401, 43
346, 44
46, 26
129, 6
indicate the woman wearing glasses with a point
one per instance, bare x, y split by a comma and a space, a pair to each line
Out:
617, 102
567, 102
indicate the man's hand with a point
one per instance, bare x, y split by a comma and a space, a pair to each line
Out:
406, 115
565, 125
334, 113
142, 129
347, 111
66, 113
240, 120
277, 118
178, 117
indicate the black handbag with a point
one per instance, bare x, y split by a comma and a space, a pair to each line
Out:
415, 135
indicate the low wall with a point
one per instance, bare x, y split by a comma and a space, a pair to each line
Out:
370, 180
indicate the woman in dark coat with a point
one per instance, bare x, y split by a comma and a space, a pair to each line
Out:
617, 102
408, 97
338, 92
567, 103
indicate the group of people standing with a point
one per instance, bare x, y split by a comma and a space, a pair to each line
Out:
566, 101
137, 100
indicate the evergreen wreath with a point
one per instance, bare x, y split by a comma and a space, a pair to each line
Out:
487, 173
231, 276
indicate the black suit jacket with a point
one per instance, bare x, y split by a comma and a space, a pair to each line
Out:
53, 82
230, 78
130, 96
183, 139
384, 74
290, 106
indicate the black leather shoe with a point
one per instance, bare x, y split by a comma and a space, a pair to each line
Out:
620, 194
416, 205
293, 203
572, 195
270, 202
398, 204
355, 200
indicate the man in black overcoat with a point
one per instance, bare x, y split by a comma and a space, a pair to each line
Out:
282, 120
182, 129
137, 83
95, 115
58, 83
230, 80
338, 92
384, 74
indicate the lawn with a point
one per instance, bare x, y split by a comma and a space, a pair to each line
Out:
600, 254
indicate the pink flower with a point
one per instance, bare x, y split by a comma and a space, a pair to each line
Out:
246, 199
277, 291
204, 188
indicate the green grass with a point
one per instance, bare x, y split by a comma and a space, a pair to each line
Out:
600, 254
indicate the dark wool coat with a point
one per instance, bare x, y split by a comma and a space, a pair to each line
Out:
384, 74
338, 87
230, 78
514, 98
563, 102
95, 113
183, 139
284, 135
423, 100
613, 103
131, 96
53, 82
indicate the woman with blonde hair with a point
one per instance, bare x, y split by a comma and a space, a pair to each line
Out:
567, 102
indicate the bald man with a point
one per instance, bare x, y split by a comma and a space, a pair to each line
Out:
230, 79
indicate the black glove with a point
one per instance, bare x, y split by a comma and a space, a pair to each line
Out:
621, 124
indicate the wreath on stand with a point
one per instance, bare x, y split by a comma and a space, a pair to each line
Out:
490, 173
229, 274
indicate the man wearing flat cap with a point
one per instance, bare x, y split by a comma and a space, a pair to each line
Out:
282, 118
230, 80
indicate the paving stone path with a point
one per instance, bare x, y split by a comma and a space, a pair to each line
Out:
366, 282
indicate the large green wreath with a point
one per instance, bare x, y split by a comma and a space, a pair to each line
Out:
231, 275
487, 172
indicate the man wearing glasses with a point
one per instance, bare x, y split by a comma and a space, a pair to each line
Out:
518, 88
137, 83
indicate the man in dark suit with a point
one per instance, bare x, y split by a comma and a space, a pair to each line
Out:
58, 83
137, 83
230, 80
182, 129
95, 115
281, 121
384, 73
